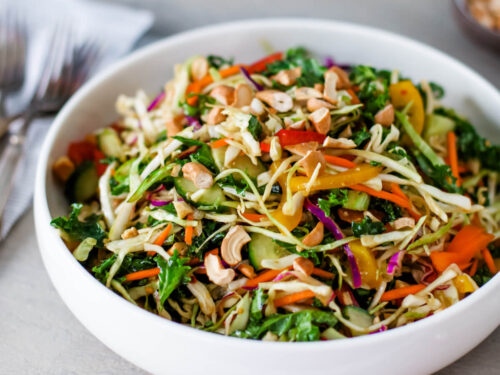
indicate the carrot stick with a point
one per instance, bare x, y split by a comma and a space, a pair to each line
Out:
452, 154
253, 217
341, 162
188, 232
473, 268
219, 143
488, 259
383, 195
397, 190
294, 297
161, 238
261, 65
321, 273
197, 86
139, 275
263, 277
401, 292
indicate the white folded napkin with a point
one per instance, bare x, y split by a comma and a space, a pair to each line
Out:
115, 28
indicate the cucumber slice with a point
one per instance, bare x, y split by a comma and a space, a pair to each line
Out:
219, 154
332, 334
243, 313
82, 184
211, 200
262, 247
358, 316
244, 164
357, 200
437, 125
110, 143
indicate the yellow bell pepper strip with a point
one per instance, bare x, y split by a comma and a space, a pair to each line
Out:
358, 175
463, 284
404, 92
290, 222
366, 264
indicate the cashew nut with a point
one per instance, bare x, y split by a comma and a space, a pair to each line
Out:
305, 93
321, 120
314, 104
130, 233
315, 236
63, 168
243, 95
199, 68
256, 107
330, 91
288, 77
223, 94
180, 247
404, 222
216, 272
342, 143
302, 148
385, 116
231, 246
198, 174
343, 78
183, 209
215, 116
276, 99
174, 125
311, 160
303, 265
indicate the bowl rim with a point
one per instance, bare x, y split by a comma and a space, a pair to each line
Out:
43, 216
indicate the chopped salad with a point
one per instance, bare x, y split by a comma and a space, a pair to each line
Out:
285, 200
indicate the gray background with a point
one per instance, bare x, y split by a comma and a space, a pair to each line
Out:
38, 334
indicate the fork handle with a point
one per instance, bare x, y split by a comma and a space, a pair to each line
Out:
9, 161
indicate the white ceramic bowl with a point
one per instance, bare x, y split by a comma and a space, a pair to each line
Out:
163, 347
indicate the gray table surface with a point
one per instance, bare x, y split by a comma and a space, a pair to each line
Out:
39, 335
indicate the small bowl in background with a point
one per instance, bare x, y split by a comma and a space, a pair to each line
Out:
473, 28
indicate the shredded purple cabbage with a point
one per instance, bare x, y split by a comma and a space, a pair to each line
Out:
395, 262
328, 62
160, 203
337, 233
156, 100
247, 76
193, 121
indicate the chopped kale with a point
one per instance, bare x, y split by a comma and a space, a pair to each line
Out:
173, 272
336, 197
367, 226
390, 210
255, 128
218, 62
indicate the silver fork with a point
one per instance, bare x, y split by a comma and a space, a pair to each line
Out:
13, 42
66, 68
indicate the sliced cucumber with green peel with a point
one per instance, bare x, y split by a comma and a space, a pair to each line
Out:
359, 317
82, 184
357, 200
211, 199
263, 247
244, 164
110, 143
332, 334
219, 154
242, 314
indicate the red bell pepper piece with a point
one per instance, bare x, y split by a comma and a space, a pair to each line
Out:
265, 147
294, 137
100, 167
78, 152
261, 65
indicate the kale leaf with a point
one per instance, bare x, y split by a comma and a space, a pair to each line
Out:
470, 145
201, 106
254, 127
361, 136
440, 175
209, 227
218, 61
336, 197
79, 230
390, 210
311, 71
202, 155
173, 272
373, 88
367, 226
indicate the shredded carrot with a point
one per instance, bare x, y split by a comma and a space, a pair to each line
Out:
161, 238
397, 190
188, 233
383, 195
253, 217
139, 275
219, 143
398, 293
264, 276
354, 97
294, 297
473, 268
261, 65
341, 162
452, 154
488, 259
321, 273
197, 86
